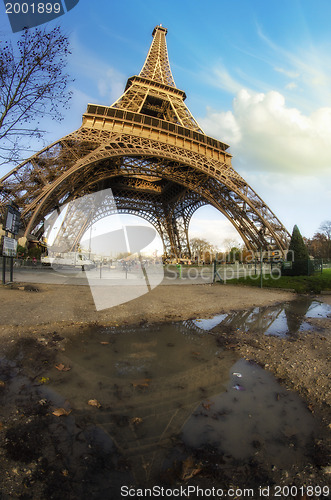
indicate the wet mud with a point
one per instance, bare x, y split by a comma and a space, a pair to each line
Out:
189, 403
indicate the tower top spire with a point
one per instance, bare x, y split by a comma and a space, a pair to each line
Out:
154, 92
156, 66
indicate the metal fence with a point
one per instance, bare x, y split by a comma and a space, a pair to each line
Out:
307, 267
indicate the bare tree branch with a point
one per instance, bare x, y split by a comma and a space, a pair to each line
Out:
33, 85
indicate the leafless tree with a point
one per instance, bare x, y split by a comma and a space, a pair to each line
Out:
33, 85
325, 228
319, 245
200, 247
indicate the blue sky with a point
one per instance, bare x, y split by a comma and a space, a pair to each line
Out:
257, 75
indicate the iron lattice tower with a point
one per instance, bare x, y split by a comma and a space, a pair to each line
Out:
160, 165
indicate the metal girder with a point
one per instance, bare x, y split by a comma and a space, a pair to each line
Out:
156, 66
150, 151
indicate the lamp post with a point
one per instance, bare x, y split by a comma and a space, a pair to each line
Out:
261, 269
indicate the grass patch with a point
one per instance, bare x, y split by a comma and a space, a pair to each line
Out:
301, 284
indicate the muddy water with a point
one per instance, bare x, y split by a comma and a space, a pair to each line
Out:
147, 381
154, 404
253, 416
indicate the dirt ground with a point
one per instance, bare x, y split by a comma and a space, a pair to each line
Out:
42, 304
303, 365
52, 312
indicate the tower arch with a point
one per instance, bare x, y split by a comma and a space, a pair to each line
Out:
148, 148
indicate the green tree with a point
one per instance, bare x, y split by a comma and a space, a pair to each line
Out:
33, 85
234, 254
34, 252
22, 252
297, 248
298, 254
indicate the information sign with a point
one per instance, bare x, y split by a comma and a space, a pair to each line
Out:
12, 219
9, 247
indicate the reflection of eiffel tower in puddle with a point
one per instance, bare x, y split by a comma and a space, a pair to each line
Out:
164, 408
282, 319
143, 416
164, 418
259, 319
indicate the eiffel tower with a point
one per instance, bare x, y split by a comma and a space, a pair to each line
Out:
160, 165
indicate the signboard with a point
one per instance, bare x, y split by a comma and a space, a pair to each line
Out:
12, 223
9, 247
287, 265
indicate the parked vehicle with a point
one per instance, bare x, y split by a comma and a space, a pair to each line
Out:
68, 260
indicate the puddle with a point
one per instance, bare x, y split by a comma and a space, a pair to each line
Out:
254, 415
282, 320
141, 403
209, 324
136, 370
318, 310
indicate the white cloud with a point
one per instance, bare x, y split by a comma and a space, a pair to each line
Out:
221, 78
290, 74
223, 124
310, 64
111, 84
295, 199
216, 230
225, 81
291, 86
102, 78
271, 136
283, 153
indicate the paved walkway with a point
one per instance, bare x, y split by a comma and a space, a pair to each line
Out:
108, 277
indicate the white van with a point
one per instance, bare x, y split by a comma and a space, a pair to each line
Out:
70, 259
